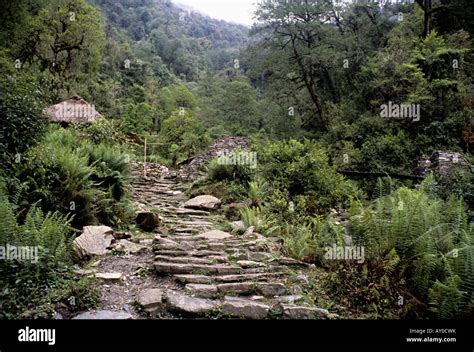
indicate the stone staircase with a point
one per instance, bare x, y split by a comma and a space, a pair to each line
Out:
218, 273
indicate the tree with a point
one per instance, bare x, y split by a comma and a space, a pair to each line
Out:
65, 39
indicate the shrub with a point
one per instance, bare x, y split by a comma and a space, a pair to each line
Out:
431, 238
217, 171
301, 169
69, 174
259, 219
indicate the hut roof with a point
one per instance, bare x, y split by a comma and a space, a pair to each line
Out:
73, 110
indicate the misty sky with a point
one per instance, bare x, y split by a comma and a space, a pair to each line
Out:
239, 11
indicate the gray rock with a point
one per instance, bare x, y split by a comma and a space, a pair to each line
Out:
205, 202
300, 312
95, 240
186, 246
215, 235
271, 289
238, 225
205, 291
249, 231
130, 247
244, 308
103, 315
189, 305
108, 276
150, 299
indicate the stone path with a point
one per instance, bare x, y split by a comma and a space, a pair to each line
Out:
196, 270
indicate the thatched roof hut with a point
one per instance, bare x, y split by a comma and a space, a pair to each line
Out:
74, 110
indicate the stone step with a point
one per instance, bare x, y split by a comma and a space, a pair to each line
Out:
179, 268
245, 308
182, 260
206, 279
179, 253
189, 305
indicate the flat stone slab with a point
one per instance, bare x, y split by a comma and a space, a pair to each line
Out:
205, 202
150, 299
214, 235
200, 290
194, 279
244, 308
103, 315
176, 268
189, 305
108, 276
300, 312
271, 289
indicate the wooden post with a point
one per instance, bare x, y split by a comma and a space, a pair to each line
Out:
144, 161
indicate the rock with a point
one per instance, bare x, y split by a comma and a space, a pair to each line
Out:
146, 242
249, 231
272, 289
108, 276
150, 300
83, 272
250, 264
289, 299
57, 316
238, 225
300, 312
103, 315
259, 256
215, 235
164, 243
194, 279
129, 247
189, 305
205, 291
178, 268
95, 240
205, 202
148, 221
186, 246
244, 308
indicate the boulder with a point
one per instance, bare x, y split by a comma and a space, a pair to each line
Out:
205, 202
147, 221
95, 240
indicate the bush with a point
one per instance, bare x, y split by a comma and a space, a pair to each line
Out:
432, 240
24, 282
217, 171
301, 170
71, 175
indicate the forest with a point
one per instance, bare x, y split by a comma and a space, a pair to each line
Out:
356, 175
